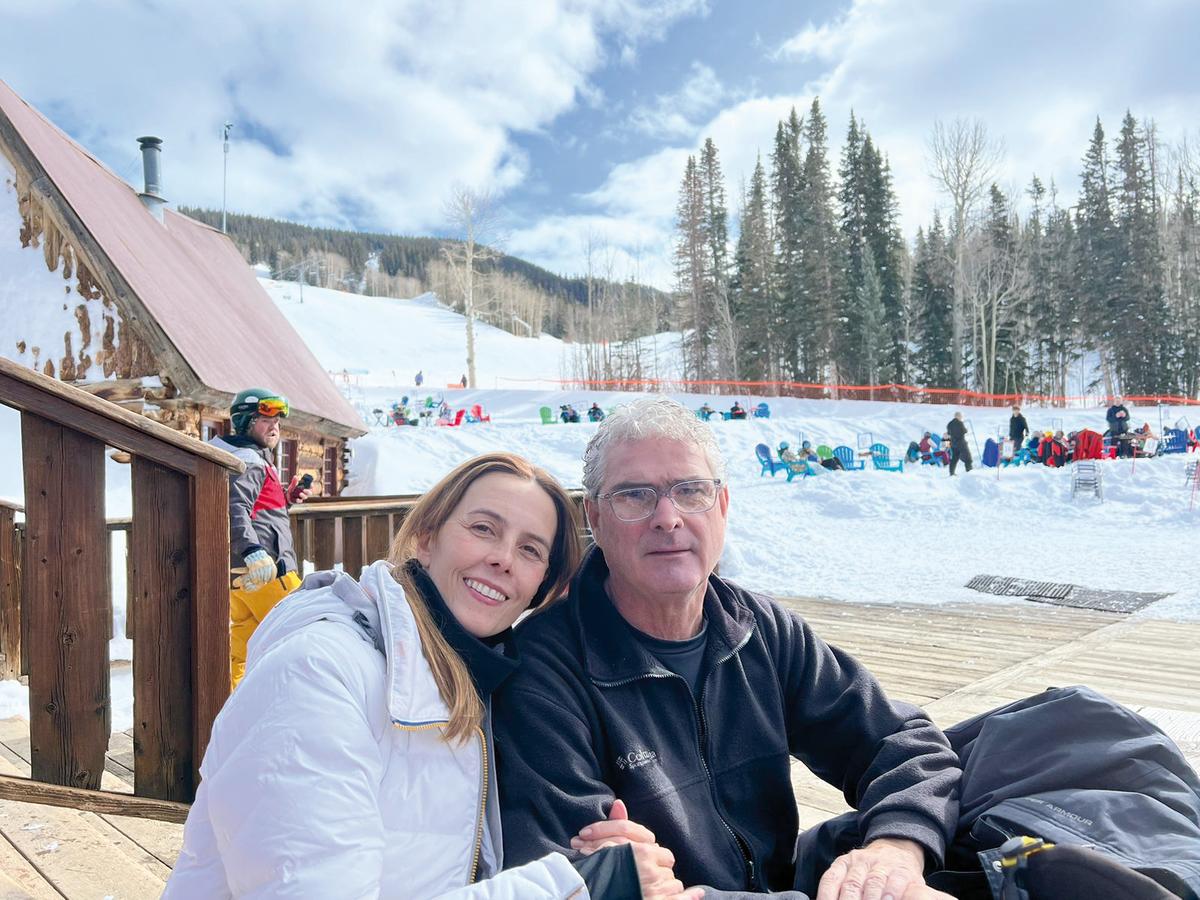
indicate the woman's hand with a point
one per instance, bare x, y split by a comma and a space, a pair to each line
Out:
618, 828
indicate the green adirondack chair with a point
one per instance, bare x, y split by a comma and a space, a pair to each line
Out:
547, 416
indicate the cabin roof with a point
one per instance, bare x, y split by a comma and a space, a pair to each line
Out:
188, 276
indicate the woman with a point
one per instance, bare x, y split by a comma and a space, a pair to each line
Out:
354, 759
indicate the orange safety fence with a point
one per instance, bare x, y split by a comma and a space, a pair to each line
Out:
902, 392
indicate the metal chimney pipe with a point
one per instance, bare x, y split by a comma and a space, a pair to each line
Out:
152, 197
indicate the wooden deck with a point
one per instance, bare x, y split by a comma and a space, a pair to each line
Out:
955, 660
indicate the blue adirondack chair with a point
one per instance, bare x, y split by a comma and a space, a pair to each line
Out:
762, 411
991, 453
769, 463
882, 461
847, 458
1174, 441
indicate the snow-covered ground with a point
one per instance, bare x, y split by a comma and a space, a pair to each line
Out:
855, 536
917, 537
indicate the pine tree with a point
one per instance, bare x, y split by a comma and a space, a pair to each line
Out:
874, 340
1183, 271
753, 291
786, 189
870, 217
932, 289
1098, 272
691, 248
716, 228
822, 262
888, 252
1142, 342
854, 228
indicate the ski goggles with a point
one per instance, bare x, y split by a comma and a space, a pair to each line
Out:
273, 406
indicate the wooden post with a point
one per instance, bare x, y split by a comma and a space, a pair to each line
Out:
325, 542
10, 596
160, 552
65, 603
352, 546
208, 525
378, 536
299, 541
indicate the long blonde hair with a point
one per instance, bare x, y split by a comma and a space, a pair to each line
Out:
426, 518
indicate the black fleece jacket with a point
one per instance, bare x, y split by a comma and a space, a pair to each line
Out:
592, 716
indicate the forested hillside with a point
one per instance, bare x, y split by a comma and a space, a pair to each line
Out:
514, 294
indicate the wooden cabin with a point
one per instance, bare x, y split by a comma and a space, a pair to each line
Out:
112, 291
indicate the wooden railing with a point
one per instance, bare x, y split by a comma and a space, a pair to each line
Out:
354, 531
59, 618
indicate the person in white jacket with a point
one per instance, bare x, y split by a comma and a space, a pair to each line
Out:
355, 758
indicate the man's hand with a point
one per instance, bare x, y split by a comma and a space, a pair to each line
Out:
618, 828
260, 569
885, 869
656, 874
295, 493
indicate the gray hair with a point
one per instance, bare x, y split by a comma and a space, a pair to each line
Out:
647, 418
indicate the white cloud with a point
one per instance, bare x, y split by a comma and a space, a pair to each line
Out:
673, 115
362, 115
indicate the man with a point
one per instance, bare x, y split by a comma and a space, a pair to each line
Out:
1118, 425
260, 534
959, 451
670, 701
1017, 428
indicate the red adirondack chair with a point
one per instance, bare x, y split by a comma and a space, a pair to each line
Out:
458, 418
478, 415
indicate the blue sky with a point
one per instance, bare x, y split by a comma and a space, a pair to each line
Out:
579, 114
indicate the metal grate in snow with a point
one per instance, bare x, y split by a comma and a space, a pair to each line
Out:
1064, 594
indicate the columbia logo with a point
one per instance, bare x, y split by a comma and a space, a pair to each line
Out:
635, 759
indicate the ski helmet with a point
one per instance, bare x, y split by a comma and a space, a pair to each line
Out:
256, 402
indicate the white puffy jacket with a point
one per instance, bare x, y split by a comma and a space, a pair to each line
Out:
326, 775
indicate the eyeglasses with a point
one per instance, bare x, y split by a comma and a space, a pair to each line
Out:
273, 406
690, 497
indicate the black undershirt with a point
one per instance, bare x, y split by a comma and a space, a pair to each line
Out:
684, 658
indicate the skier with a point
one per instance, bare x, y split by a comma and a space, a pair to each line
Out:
1118, 426
260, 534
1017, 428
959, 451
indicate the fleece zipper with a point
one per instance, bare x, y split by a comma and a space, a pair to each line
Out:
739, 842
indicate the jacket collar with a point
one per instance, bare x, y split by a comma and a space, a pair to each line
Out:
376, 608
489, 661
612, 653
234, 442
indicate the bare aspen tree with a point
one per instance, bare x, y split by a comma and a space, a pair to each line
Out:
473, 216
963, 160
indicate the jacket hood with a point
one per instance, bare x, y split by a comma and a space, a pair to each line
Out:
374, 606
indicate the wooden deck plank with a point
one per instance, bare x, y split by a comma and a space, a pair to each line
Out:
19, 878
959, 661
70, 853
154, 845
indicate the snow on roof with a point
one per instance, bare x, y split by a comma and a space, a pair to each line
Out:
188, 276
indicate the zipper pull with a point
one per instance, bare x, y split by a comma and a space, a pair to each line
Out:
750, 872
